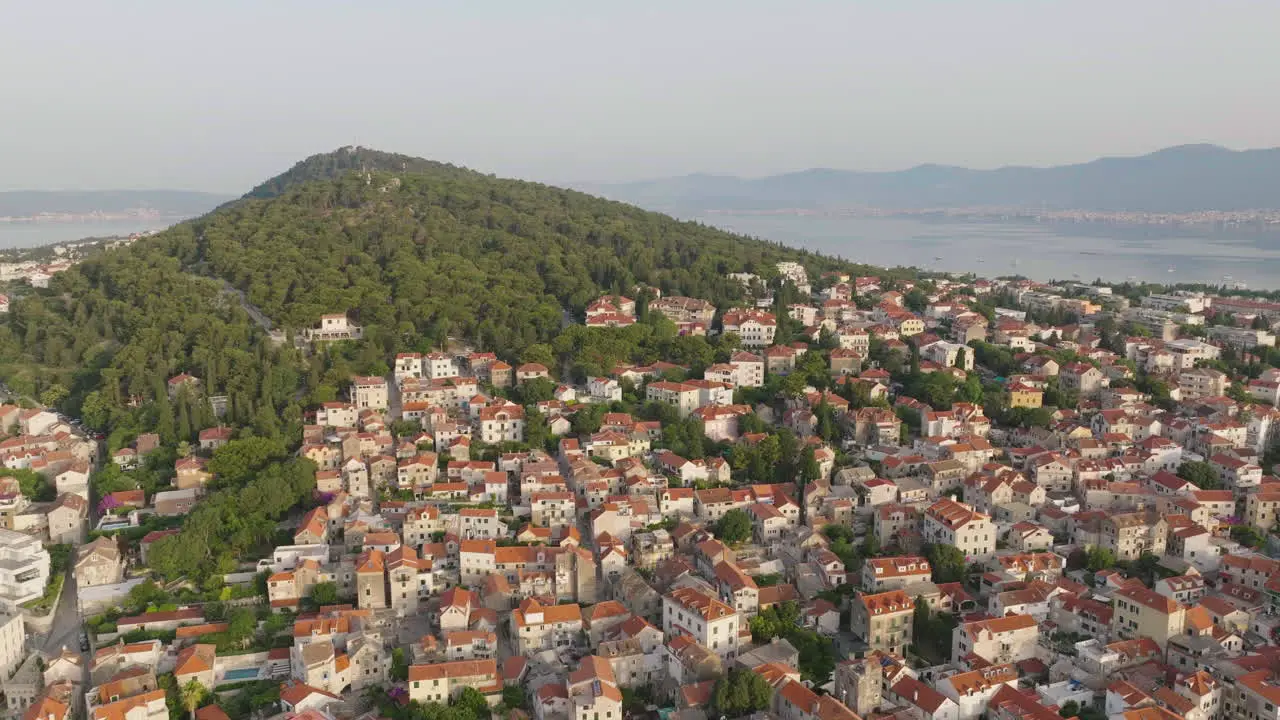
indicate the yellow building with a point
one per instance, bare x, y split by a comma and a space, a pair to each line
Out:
1025, 396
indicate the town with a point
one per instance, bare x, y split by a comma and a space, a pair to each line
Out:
849, 497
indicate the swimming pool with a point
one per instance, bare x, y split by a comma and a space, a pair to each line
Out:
240, 674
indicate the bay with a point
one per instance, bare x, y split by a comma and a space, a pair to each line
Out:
34, 234
1039, 251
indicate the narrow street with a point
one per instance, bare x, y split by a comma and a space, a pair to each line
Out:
394, 403
67, 624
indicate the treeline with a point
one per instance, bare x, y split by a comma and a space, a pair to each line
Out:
239, 520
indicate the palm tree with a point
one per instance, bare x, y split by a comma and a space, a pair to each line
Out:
192, 695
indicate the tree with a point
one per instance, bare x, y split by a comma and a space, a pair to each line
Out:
1100, 558
947, 562
472, 701
54, 395
242, 623
810, 470
741, 692
921, 621
537, 390
325, 593
916, 300
1248, 536
733, 527
400, 666
1070, 709
193, 694
513, 697
236, 462
1200, 474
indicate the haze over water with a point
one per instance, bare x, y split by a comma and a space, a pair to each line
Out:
1041, 252
32, 234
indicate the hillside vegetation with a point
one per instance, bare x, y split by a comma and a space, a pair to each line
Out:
416, 251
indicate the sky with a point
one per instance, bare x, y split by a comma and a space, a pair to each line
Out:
220, 95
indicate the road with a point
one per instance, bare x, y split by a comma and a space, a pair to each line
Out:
394, 406
66, 621
249, 308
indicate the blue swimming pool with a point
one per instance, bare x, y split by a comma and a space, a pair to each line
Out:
240, 674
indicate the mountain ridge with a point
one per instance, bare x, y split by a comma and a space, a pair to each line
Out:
1178, 179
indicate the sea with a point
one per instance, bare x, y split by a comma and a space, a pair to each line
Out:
33, 234
1061, 251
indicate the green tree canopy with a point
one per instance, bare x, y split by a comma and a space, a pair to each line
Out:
733, 527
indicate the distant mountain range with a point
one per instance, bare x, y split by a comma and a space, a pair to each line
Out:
1183, 179
169, 203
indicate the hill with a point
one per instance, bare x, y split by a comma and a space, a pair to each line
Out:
327, 166
1188, 178
417, 255
169, 203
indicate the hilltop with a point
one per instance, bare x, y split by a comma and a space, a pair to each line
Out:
1184, 179
417, 252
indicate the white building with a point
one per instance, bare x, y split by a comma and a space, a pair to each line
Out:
709, 622
369, 393
24, 568
952, 523
947, 354
504, 423
755, 328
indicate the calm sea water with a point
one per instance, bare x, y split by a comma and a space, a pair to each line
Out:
1042, 252
25, 235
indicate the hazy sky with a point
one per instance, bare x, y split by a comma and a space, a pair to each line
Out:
219, 95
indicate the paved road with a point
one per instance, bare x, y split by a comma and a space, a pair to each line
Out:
394, 406
66, 620
249, 308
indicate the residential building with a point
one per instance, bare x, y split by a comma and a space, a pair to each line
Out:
883, 620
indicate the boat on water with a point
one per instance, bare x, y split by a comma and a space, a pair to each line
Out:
1172, 269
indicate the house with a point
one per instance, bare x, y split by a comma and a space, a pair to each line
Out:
1141, 612
1083, 378
1129, 535
196, 662
755, 328
544, 627
99, 563
954, 523
894, 573
190, 472
971, 691
883, 620
531, 371
705, 619
333, 327
502, 423
442, 682
1009, 639
213, 438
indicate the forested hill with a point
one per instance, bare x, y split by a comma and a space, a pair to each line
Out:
414, 255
